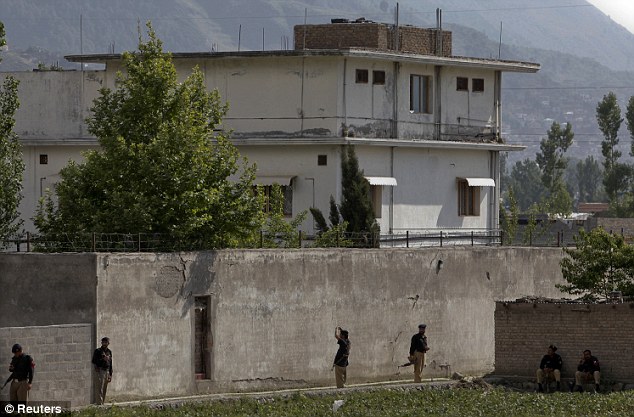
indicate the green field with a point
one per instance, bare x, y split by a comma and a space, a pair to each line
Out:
395, 402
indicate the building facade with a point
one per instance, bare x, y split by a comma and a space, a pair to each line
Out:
426, 125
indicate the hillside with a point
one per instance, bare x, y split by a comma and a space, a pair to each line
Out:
583, 53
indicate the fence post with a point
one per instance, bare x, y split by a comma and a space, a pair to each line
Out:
300, 239
337, 239
94, 242
139, 242
407, 238
441, 238
501, 237
558, 239
530, 238
261, 239
28, 241
472, 238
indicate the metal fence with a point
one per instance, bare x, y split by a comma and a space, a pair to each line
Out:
156, 242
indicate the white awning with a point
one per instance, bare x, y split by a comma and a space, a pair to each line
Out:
382, 181
480, 182
281, 180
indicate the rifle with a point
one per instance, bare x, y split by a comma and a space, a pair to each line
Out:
7, 381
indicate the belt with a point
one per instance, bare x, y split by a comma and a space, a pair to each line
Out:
19, 380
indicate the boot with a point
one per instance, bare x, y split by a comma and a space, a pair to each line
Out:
540, 388
596, 387
571, 386
558, 386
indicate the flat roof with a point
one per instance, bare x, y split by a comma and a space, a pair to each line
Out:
453, 61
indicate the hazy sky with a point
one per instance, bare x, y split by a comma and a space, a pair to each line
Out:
621, 11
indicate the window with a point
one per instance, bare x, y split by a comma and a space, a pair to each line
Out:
376, 194
477, 85
201, 336
362, 76
378, 77
322, 160
462, 84
420, 93
287, 197
468, 199
43, 159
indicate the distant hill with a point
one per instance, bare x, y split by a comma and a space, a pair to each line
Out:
580, 48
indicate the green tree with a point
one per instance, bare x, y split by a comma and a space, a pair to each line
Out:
356, 204
11, 163
589, 178
161, 168
277, 231
601, 263
526, 182
629, 120
609, 120
510, 218
551, 160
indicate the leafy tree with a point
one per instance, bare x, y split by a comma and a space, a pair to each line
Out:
161, 167
356, 205
629, 120
11, 163
551, 160
609, 120
333, 235
526, 183
510, 218
276, 230
601, 263
589, 177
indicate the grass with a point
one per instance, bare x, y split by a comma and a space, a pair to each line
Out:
394, 402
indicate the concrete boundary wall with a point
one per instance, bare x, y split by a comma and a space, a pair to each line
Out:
272, 313
523, 331
62, 357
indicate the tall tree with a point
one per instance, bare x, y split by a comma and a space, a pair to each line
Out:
161, 168
552, 163
629, 120
356, 204
609, 120
589, 177
526, 183
551, 160
11, 163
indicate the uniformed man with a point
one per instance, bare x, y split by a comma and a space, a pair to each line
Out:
102, 360
21, 368
340, 363
417, 351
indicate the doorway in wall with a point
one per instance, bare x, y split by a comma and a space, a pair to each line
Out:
202, 338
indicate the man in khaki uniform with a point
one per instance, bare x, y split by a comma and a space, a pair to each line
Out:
417, 351
341, 358
102, 361
21, 369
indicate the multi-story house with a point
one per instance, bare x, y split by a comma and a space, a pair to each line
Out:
426, 125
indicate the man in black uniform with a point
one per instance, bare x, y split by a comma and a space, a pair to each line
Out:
341, 358
102, 360
417, 351
21, 369
549, 368
587, 370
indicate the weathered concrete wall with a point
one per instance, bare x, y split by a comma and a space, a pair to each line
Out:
523, 331
62, 361
40, 289
273, 312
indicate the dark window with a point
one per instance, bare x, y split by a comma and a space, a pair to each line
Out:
43, 159
362, 76
322, 160
477, 84
378, 77
376, 194
462, 84
287, 197
420, 93
201, 336
468, 199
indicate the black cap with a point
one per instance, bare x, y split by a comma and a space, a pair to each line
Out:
344, 333
16, 348
553, 347
422, 326
105, 339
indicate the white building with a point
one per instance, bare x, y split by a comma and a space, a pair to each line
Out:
426, 125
